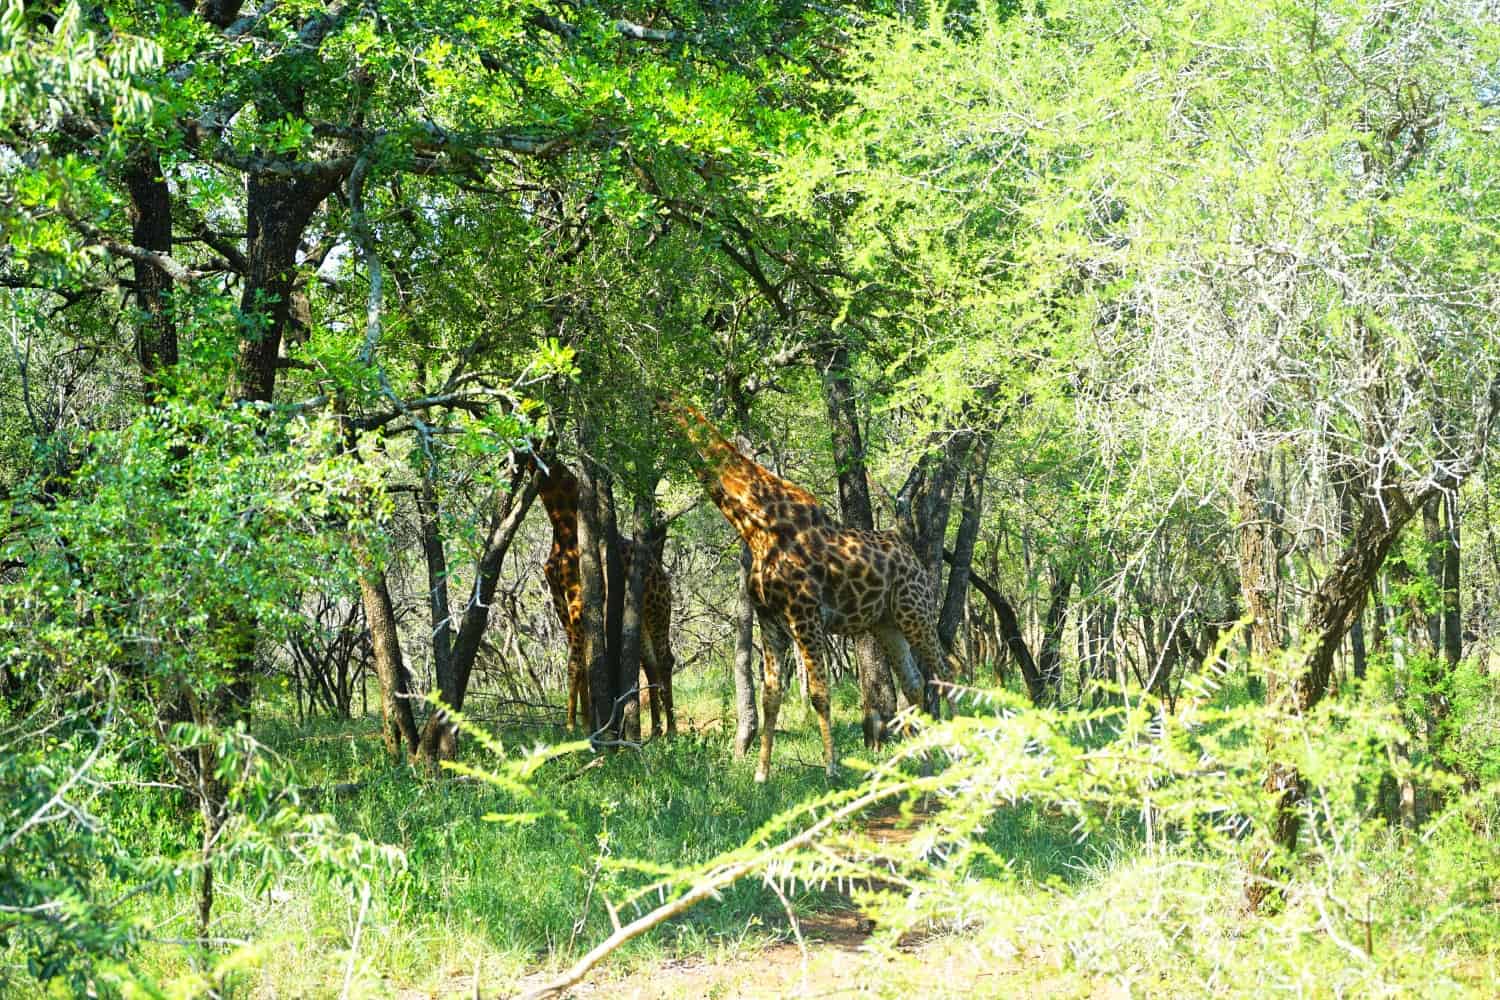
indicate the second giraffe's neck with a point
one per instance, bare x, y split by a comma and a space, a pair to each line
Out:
559, 496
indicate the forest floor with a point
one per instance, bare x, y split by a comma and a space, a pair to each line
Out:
835, 957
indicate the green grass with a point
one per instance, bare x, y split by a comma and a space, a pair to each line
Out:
508, 896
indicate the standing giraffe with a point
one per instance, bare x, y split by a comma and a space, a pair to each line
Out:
558, 489
809, 577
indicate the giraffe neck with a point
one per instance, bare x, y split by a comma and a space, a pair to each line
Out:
752, 498
559, 495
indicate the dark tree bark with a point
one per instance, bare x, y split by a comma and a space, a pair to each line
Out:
630, 625
848, 443
591, 619
957, 594
1453, 638
429, 516
1049, 663
1336, 602
1357, 627
1257, 554
277, 212
1432, 526
1010, 632
624, 701
439, 738
398, 725
151, 229
747, 721
876, 686
504, 525
925, 500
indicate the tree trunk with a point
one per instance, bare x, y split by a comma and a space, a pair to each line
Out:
634, 590
151, 229
429, 514
626, 702
876, 686
504, 524
1432, 528
963, 550
848, 444
1015, 641
926, 499
398, 726
1336, 602
1357, 628
747, 722
1049, 664
1453, 637
591, 619
1257, 554
277, 211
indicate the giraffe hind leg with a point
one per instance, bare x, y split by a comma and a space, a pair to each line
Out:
898, 659
929, 653
652, 668
808, 637
578, 690
773, 640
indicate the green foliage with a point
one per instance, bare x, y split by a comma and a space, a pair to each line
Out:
183, 518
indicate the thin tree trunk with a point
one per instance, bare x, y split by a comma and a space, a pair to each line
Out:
151, 229
848, 444
1010, 632
625, 705
1050, 661
398, 726
591, 619
747, 722
1432, 528
876, 685
1336, 602
1357, 628
504, 525
429, 514
963, 550
1453, 637
630, 622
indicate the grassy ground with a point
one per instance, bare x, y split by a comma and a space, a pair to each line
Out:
502, 903
508, 898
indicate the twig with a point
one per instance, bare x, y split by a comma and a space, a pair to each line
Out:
359, 925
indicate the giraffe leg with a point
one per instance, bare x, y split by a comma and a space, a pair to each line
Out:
572, 686
808, 635
773, 641
898, 656
665, 664
929, 652
652, 669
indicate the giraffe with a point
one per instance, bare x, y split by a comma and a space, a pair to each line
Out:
810, 577
558, 489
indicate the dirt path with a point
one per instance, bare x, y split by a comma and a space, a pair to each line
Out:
840, 961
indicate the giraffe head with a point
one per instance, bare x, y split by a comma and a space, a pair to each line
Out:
711, 445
